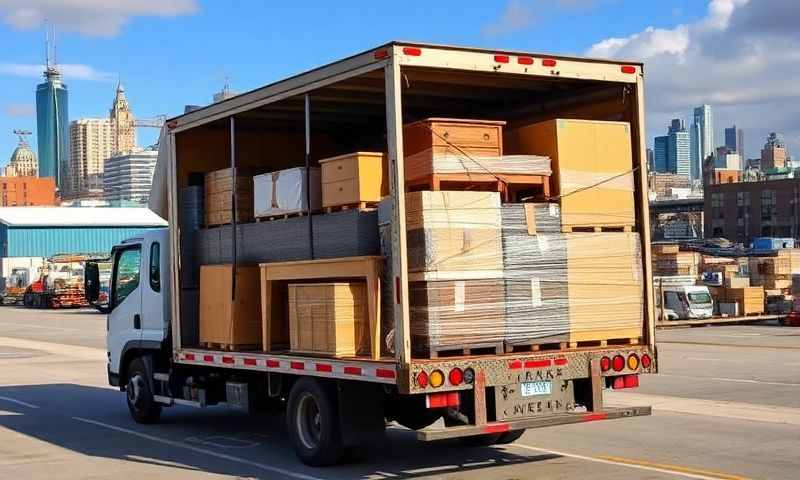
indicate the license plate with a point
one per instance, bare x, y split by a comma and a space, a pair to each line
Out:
530, 389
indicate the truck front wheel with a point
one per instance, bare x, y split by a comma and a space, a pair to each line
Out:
312, 420
141, 403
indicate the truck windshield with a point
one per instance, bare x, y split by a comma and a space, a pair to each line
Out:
699, 297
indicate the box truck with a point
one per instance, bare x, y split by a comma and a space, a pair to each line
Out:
481, 394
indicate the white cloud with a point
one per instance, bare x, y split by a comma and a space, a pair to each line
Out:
743, 58
102, 18
521, 14
19, 110
70, 71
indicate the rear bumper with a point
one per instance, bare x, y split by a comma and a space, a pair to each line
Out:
430, 434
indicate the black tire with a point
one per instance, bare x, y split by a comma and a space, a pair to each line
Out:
141, 404
510, 437
312, 420
410, 411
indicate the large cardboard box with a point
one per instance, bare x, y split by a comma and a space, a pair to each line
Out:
456, 314
592, 164
605, 286
750, 299
218, 204
231, 323
360, 177
453, 235
328, 318
284, 192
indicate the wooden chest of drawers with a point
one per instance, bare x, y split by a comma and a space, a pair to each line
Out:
355, 178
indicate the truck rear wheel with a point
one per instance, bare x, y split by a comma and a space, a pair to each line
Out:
510, 437
141, 403
312, 420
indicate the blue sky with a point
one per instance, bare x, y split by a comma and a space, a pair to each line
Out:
169, 53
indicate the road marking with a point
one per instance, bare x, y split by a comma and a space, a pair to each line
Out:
202, 451
19, 402
43, 327
728, 379
681, 471
231, 442
709, 408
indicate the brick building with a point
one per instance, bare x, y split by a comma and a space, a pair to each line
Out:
27, 191
742, 211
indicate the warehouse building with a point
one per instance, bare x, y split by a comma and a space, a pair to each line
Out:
46, 231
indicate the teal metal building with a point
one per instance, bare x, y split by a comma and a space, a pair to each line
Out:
47, 231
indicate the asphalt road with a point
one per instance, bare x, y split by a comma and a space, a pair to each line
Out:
726, 406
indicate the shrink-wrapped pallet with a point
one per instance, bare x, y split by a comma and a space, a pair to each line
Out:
284, 192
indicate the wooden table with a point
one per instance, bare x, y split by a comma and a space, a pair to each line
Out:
368, 267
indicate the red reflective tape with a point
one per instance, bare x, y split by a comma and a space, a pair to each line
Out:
384, 373
352, 370
496, 428
453, 399
549, 62
501, 58
208, 358
381, 54
228, 360
297, 365
189, 356
515, 365
591, 417
250, 361
537, 363
560, 361
273, 363
525, 60
413, 51
323, 367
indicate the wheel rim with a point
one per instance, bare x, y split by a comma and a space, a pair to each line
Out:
308, 421
134, 390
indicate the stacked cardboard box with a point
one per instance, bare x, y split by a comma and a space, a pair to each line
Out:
219, 186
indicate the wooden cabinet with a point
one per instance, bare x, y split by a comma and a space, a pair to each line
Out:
328, 318
353, 179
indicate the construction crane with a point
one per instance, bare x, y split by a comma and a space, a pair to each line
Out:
154, 122
22, 134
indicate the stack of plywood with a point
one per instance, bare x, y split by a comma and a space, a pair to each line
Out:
219, 187
328, 318
749, 299
773, 273
592, 163
678, 263
455, 265
227, 321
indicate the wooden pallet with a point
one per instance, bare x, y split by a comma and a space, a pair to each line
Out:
605, 343
465, 350
596, 229
269, 218
354, 206
230, 347
535, 347
505, 183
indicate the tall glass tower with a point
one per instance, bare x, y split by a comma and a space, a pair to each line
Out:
701, 139
52, 123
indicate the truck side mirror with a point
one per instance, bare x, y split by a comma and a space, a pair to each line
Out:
91, 282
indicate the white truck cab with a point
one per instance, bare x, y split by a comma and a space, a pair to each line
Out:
688, 302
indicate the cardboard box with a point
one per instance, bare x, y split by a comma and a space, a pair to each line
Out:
360, 177
328, 318
605, 285
749, 299
284, 192
584, 153
230, 323
453, 235
219, 186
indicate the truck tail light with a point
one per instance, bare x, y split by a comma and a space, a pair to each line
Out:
469, 376
605, 364
627, 69
633, 361
631, 381
412, 51
525, 60
381, 54
549, 62
442, 400
501, 58
618, 363
646, 361
436, 378
619, 382
422, 379
456, 376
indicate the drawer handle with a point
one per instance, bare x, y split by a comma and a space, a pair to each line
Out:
339, 167
486, 136
341, 189
446, 134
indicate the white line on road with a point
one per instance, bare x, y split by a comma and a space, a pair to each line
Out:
19, 402
677, 471
203, 451
734, 380
43, 327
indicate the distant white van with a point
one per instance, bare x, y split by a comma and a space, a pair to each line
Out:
688, 302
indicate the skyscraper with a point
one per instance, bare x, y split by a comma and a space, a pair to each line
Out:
679, 151
701, 139
52, 121
122, 123
734, 140
128, 176
91, 143
773, 155
660, 154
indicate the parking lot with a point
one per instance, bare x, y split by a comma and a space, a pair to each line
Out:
726, 406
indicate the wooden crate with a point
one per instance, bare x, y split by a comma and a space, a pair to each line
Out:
750, 299
328, 318
354, 178
219, 186
592, 164
230, 324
